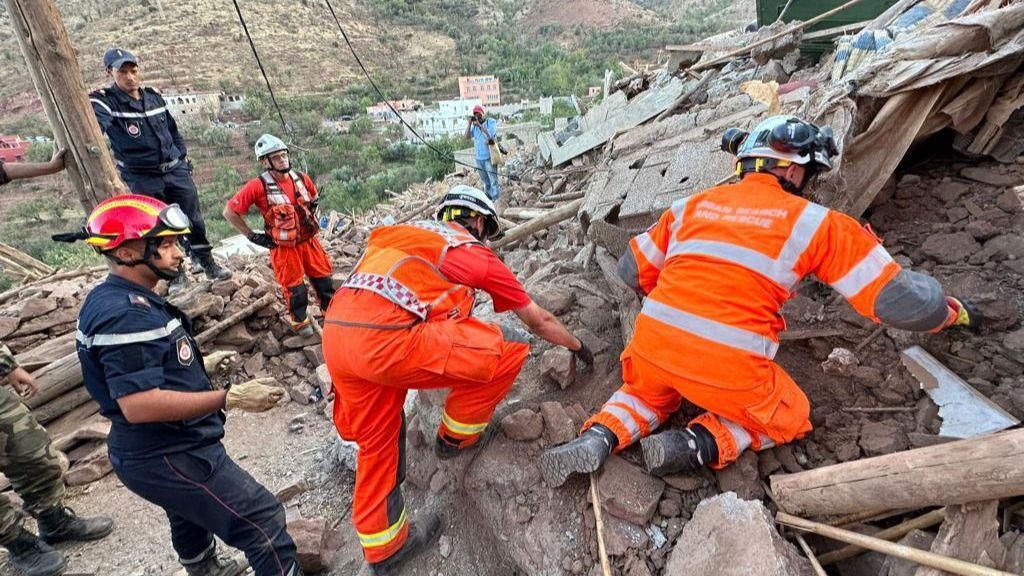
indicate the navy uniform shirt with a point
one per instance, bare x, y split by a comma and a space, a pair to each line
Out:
143, 134
131, 340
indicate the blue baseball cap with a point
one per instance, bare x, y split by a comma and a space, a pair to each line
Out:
116, 57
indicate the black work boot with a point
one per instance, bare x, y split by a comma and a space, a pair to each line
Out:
210, 564
213, 270
583, 455
679, 450
422, 533
446, 449
33, 557
60, 524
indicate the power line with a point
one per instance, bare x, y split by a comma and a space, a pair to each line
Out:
385, 99
259, 62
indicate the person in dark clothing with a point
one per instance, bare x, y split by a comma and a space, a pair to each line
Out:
149, 150
142, 365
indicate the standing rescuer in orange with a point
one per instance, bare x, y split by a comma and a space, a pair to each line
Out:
716, 269
403, 321
288, 202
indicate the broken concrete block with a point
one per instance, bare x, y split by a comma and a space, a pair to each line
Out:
627, 492
950, 191
269, 345
558, 426
732, 537
556, 364
323, 377
897, 566
523, 425
237, 335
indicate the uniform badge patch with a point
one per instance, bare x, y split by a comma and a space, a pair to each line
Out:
133, 129
139, 300
185, 354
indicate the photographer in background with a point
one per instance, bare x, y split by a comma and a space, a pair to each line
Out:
484, 131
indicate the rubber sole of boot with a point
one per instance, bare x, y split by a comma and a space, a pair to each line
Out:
57, 571
557, 464
654, 453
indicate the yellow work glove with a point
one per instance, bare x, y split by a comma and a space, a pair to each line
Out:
253, 396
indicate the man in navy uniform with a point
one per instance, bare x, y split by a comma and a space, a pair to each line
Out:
143, 367
149, 150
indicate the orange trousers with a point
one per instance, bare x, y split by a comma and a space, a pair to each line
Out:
759, 414
372, 370
291, 264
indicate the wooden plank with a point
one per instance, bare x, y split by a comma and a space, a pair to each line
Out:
892, 549
892, 533
985, 468
537, 224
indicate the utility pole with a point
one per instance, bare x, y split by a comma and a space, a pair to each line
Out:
54, 69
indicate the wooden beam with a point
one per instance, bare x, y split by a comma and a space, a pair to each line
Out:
537, 224
53, 66
893, 533
213, 331
985, 468
890, 548
750, 47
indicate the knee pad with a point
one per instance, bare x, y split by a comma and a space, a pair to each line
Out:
298, 299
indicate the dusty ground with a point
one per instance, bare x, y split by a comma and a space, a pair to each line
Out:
140, 544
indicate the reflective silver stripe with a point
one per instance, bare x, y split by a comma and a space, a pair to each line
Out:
711, 330
638, 406
678, 207
739, 434
865, 272
128, 338
650, 250
625, 418
103, 104
780, 270
146, 114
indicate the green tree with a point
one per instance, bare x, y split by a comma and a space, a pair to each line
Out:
40, 152
439, 159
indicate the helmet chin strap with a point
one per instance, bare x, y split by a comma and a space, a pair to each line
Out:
285, 171
148, 256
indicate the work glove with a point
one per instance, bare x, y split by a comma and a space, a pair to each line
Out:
963, 313
261, 239
252, 396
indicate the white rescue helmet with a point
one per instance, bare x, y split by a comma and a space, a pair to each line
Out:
784, 138
464, 201
268, 144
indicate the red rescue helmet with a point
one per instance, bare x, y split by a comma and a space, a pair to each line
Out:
132, 217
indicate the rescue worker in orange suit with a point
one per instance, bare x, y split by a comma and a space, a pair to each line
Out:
402, 321
288, 202
716, 269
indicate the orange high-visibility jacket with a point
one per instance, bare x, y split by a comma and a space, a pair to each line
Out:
402, 264
287, 223
718, 266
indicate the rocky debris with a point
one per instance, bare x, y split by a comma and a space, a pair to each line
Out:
311, 551
523, 425
728, 536
989, 175
89, 469
556, 364
621, 536
558, 425
291, 491
627, 492
877, 438
742, 477
555, 299
445, 544
950, 191
950, 248
840, 362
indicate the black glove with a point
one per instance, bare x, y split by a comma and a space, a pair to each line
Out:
261, 239
584, 354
